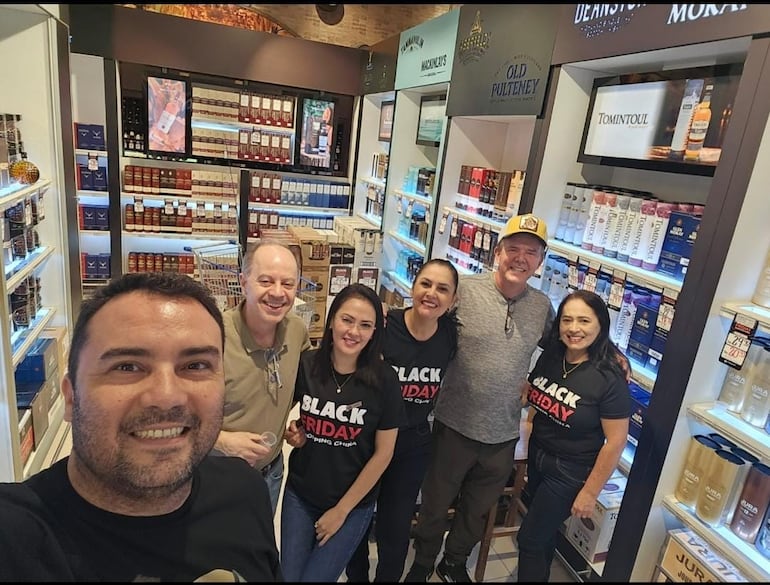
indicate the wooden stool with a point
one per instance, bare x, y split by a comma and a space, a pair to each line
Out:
512, 520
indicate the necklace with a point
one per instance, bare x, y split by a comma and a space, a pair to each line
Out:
340, 386
564, 367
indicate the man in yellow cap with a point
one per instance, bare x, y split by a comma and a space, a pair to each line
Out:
478, 411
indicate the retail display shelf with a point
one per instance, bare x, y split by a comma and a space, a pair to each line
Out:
732, 426
474, 218
761, 314
400, 281
12, 195
24, 341
90, 151
408, 242
743, 555
627, 459
372, 219
94, 232
298, 209
373, 181
234, 125
91, 193
427, 201
38, 457
654, 278
178, 236
22, 269
186, 198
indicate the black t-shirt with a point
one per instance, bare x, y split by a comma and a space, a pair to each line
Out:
224, 529
340, 429
419, 365
569, 410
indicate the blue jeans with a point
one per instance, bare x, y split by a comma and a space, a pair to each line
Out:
552, 485
273, 475
301, 557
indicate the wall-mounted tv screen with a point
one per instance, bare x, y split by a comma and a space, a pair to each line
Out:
672, 121
166, 115
431, 120
317, 139
387, 109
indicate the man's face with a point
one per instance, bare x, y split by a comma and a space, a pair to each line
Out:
147, 403
518, 257
271, 284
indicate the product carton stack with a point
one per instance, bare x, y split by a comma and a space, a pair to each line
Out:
315, 252
360, 247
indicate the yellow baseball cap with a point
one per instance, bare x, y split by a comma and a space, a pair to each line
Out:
525, 224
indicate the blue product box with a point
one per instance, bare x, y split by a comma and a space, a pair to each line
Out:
677, 245
89, 217
82, 136
642, 332
85, 178
39, 363
100, 179
640, 400
102, 217
91, 270
103, 265
97, 137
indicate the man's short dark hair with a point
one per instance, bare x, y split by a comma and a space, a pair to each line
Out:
165, 284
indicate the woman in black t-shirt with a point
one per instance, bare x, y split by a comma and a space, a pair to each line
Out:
419, 343
350, 412
581, 403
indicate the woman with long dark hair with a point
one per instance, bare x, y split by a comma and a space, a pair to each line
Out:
350, 412
419, 343
581, 403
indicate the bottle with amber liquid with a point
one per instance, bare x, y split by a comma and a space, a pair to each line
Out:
699, 126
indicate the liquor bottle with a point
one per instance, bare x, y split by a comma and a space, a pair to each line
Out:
690, 99
737, 382
756, 404
168, 116
716, 489
700, 125
695, 467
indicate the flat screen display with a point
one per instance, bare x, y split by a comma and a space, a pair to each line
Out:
386, 121
166, 115
431, 121
672, 121
317, 139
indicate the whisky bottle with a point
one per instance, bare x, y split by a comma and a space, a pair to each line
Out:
690, 99
700, 125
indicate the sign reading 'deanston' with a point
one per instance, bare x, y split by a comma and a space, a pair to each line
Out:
425, 52
593, 31
502, 59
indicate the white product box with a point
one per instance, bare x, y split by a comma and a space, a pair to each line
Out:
686, 558
592, 536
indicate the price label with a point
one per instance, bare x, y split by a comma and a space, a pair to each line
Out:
409, 208
738, 341
168, 207
182, 208
200, 210
138, 205
93, 162
572, 275
399, 203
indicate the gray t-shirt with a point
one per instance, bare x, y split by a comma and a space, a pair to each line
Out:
481, 393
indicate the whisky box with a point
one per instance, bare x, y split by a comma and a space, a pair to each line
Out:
687, 558
592, 536
339, 278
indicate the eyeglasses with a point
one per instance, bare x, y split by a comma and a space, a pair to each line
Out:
273, 371
509, 317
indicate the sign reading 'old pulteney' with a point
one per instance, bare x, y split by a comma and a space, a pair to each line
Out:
502, 59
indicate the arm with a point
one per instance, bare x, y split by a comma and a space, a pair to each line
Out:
331, 521
242, 444
616, 431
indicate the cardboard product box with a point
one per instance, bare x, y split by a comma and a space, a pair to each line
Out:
318, 279
26, 435
339, 277
677, 245
592, 536
687, 558
41, 361
60, 335
641, 333
368, 276
82, 136
317, 318
316, 252
37, 402
640, 400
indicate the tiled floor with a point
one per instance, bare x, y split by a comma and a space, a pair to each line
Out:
501, 565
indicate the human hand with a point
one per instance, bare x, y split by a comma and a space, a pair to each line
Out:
247, 446
295, 434
328, 524
584, 504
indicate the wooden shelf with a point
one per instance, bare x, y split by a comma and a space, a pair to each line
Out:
179, 236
